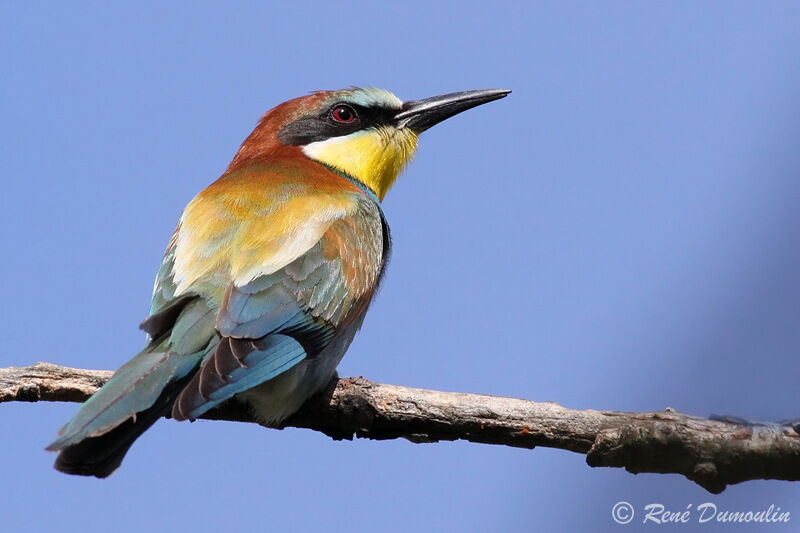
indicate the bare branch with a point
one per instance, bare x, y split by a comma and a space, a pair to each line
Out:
713, 453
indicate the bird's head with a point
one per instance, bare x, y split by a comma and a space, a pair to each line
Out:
368, 134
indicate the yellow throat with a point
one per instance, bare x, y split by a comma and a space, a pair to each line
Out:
375, 156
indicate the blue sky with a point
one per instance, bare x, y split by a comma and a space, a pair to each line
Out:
621, 232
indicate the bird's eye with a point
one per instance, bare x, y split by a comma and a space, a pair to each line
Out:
343, 113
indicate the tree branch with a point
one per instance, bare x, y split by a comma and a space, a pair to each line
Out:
713, 453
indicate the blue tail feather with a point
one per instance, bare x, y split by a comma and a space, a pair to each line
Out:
132, 389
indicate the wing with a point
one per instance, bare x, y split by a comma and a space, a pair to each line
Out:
271, 319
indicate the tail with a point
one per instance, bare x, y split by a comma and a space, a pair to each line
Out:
100, 456
95, 440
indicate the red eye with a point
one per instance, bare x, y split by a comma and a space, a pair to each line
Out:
343, 113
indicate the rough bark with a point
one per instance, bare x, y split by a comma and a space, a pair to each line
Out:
712, 452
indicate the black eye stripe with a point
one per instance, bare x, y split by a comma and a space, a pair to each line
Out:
323, 126
368, 116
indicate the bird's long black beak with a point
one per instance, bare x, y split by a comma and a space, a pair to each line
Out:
419, 115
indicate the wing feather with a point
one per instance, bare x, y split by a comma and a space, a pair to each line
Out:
276, 320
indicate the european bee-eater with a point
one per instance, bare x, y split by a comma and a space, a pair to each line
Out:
269, 273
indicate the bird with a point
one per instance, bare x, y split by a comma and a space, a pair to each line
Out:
269, 273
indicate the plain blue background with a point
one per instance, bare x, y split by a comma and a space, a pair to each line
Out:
622, 232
